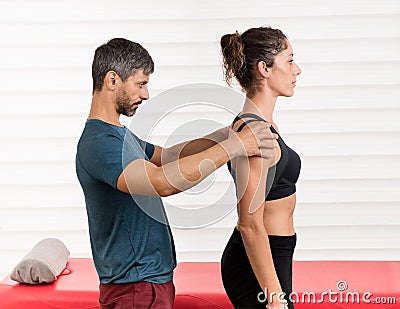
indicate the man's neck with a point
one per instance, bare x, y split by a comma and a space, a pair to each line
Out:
103, 108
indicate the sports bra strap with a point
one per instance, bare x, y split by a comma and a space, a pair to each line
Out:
245, 123
253, 117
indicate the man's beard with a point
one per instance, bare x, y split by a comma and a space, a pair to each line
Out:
124, 105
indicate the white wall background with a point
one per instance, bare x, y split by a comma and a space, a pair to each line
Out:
343, 119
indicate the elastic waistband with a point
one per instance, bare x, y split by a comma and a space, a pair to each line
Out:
276, 237
280, 245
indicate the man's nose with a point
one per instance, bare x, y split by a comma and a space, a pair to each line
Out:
144, 94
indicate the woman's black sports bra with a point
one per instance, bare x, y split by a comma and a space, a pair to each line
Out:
282, 177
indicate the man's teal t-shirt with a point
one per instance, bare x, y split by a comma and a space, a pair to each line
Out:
129, 234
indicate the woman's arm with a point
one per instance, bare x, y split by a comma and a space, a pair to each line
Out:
251, 185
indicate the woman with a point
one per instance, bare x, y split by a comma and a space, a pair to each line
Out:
258, 256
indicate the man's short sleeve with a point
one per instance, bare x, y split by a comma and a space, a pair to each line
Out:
105, 162
104, 155
149, 147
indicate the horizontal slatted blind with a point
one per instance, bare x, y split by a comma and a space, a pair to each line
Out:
343, 119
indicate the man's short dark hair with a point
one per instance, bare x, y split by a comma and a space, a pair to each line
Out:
122, 56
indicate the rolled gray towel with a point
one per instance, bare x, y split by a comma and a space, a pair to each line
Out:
43, 263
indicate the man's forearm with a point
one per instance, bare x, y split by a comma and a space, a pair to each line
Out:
189, 148
189, 171
144, 178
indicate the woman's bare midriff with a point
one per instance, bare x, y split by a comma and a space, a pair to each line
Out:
278, 216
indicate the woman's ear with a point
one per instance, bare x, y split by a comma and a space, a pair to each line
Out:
263, 69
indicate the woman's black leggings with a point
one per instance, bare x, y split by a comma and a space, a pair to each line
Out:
238, 277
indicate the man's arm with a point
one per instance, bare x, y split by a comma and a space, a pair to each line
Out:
145, 178
163, 155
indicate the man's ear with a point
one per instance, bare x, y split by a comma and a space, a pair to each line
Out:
263, 69
110, 80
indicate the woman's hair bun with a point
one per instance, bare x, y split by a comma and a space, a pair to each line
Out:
233, 56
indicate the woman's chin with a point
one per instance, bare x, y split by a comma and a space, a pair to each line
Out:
288, 94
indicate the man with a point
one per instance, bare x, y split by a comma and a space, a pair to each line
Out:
133, 252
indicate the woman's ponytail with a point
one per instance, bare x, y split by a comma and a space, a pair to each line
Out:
233, 56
